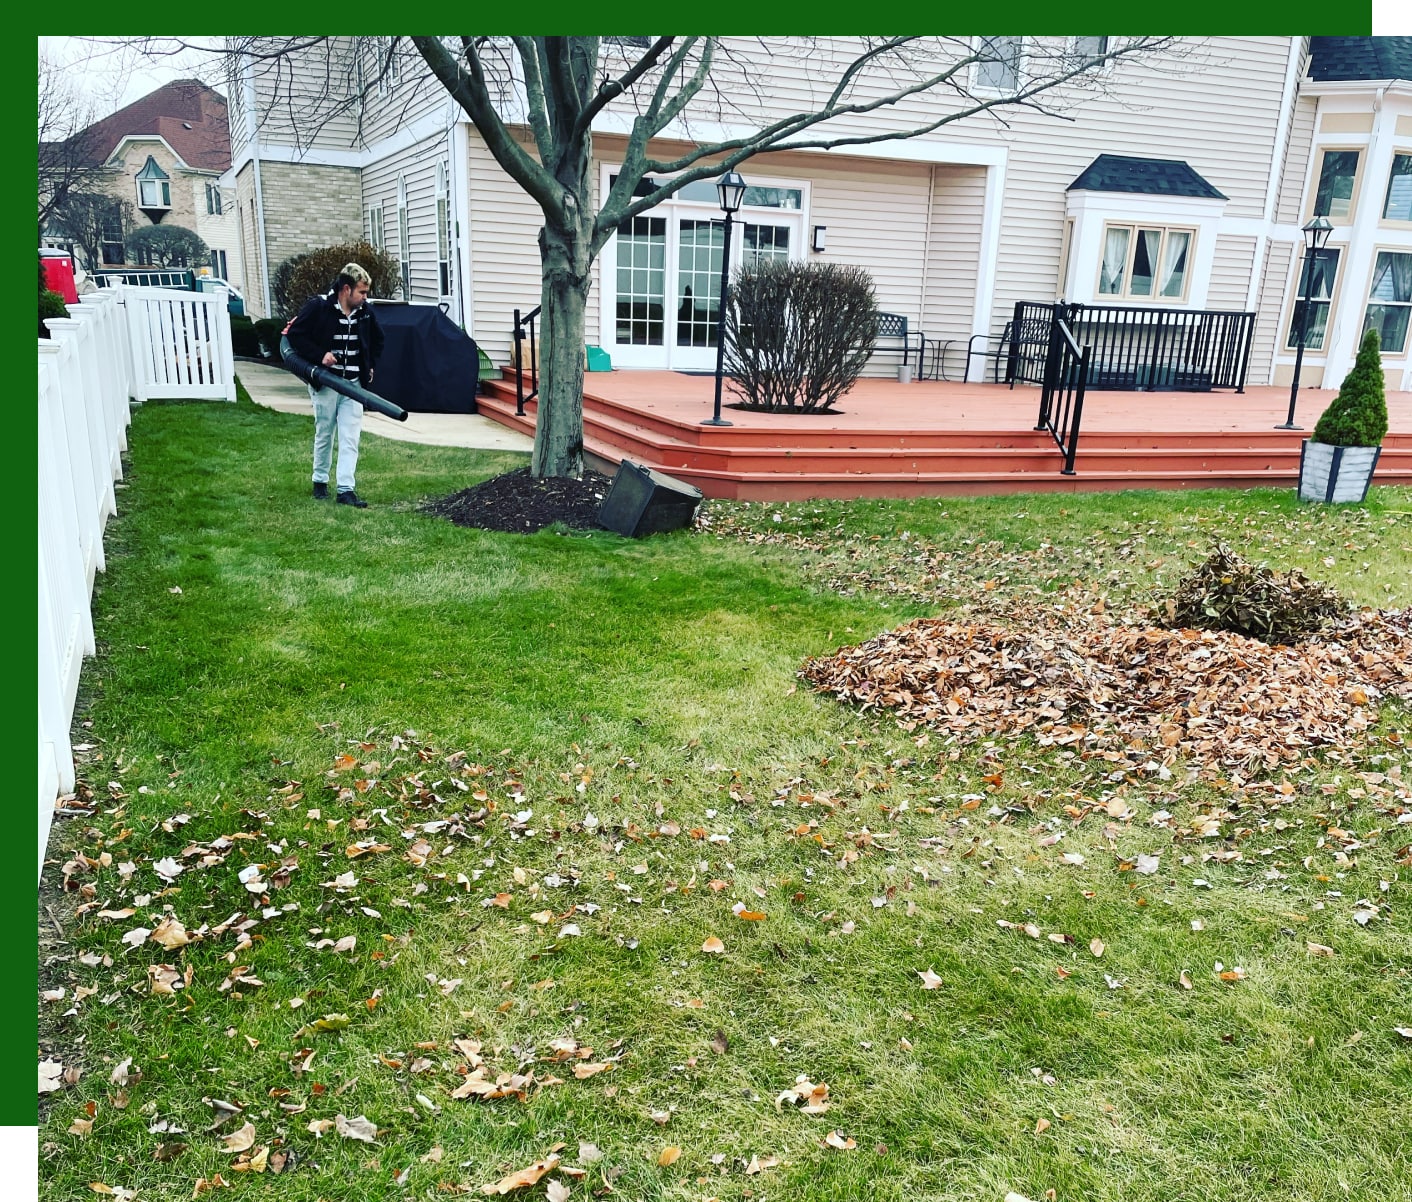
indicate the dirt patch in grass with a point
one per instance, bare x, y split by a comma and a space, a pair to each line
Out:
518, 503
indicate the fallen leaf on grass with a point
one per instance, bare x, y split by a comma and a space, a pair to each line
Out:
524, 1177
1233, 974
359, 1128
713, 947
1184, 981
557, 1191
1097, 947
81, 1127
758, 1164
215, 1182
584, 1071
239, 1141
929, 979
669, 1155
320, 1127
169, 933
1042, 1126
1147, 865
837, 1139
1318, 949
1405, 1032
51, 1076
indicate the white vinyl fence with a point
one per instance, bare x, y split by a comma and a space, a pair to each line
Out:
125, 343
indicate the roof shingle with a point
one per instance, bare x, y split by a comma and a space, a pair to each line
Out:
191, 117
1360, 58
1155, 177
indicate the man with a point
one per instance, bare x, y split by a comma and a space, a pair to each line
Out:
339, 331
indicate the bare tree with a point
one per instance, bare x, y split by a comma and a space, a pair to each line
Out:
92, 220
69, 162
687, 89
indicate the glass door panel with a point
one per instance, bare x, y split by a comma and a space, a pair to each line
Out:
641, 284
764, 242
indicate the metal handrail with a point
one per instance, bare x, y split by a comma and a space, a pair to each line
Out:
1061, 400
520, 333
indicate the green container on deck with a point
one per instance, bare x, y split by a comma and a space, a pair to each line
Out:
598, 359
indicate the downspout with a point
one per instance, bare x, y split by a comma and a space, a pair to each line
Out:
461, 208
252, 130
1277, 155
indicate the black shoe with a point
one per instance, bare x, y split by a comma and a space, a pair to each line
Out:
321, 490
352, 498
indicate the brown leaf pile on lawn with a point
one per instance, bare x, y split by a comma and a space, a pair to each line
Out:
1227, 592
1213, 696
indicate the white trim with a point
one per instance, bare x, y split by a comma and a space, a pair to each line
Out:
461, 206
252, 134
1289, 102
989, 259
429, 125
906, 150
1353, 87
981, 89
126, 138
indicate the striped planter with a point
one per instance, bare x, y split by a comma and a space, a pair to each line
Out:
1335, 474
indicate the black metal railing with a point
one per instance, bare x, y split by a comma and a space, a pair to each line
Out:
1061, 398
524, 328
1164, 350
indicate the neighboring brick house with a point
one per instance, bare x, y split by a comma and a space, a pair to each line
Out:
1182, 185
168, 156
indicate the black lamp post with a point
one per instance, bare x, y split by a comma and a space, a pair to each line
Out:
1316, 233
731, 190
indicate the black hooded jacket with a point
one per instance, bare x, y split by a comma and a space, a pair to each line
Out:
312, 333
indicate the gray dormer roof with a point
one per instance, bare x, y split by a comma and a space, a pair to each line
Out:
1154, 177
1360, 58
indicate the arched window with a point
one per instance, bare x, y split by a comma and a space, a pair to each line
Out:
443, 227
404, 238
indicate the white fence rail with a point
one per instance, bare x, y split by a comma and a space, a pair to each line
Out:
126, 343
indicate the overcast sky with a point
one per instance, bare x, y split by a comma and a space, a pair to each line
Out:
116, 76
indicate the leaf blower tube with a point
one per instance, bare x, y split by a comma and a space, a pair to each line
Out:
321, 377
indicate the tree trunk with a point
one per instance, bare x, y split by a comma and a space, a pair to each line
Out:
558, 436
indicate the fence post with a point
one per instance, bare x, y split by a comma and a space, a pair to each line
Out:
225, 347
1051, 366
102, 446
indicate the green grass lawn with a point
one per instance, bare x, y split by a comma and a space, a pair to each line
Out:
608, 736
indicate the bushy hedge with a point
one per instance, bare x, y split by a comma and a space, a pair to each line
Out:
268, 330
298, 278
1358, 415
798, 334
244, 341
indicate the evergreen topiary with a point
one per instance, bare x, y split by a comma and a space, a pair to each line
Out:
1358, 415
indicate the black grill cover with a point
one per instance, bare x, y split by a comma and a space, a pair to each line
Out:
428, 363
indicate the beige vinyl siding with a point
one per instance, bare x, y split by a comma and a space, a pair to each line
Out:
1270, 310
504, 243
953, 259
418, 164
1230, 272
417, 94
307, 99
1296, 165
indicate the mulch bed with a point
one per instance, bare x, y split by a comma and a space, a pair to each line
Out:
518, 503
1215, 697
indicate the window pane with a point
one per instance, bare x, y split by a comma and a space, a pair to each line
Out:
774, 198
1390, 321
1398, 205
1090, 47
1324, 272
1392, 278
1172, 280
1336, 176
1002, 72
1115, 262
1145, 261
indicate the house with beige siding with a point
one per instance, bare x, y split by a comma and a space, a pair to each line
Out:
164, 160
1177, 181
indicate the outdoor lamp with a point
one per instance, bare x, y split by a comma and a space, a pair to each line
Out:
820, 232
1316, 233
731, 190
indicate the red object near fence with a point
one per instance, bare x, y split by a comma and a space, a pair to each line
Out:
59, 274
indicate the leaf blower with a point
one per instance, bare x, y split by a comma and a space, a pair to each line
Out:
321, 377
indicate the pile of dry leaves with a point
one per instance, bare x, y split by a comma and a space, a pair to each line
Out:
1080, 678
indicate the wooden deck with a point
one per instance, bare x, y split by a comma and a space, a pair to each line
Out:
932, 438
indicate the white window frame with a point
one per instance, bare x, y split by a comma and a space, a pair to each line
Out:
1127, 296
214, 207
1288, 343
165, 192
445, 259
386, 57
1398, 152
404, 239
1320, 154
976, 68
1388, 352
376, 233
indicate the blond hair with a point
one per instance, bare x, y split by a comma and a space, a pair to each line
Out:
357, 274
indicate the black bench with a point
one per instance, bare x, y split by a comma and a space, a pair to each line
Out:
895, 327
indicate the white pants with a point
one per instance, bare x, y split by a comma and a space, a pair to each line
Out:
334, 409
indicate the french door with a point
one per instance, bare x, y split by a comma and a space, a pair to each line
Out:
665, 275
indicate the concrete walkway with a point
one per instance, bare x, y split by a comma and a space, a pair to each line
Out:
276, 388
